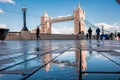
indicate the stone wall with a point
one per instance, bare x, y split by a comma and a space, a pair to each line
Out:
13, 36
17, 36
54, 36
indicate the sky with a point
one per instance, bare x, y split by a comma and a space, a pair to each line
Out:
98, 12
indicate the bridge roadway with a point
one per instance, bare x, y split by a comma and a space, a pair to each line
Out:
60, 60
61, 19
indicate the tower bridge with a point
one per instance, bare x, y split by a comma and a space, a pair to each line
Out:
79, 25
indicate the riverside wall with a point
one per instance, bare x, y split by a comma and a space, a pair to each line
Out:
17, 36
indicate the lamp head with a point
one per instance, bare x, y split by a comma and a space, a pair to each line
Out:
24, 8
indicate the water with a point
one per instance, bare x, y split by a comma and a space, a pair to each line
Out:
59, 60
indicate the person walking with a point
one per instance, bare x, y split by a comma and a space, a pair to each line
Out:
111, 36
37, 33
98, 33
90, 33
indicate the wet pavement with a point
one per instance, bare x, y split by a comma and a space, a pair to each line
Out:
60, 60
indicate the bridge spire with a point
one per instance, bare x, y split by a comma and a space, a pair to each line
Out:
45, 14
79, 6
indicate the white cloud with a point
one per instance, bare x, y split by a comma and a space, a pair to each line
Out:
1, 11
63, 30
108, 27
3, 26
60, 16
7, 1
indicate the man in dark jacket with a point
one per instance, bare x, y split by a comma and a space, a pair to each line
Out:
90, 33
37, 33
98, 33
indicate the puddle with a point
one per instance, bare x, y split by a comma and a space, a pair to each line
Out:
59, 60
101, 77
114, 56
17, 60
67, 65
99, 63
10, 77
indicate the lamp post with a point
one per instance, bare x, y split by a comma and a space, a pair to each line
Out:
102, 29
24, 19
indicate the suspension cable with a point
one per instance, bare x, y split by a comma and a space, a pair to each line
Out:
93, 26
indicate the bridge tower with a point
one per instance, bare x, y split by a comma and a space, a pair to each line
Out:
45, 26
79, 24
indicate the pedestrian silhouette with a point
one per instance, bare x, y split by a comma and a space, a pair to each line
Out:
90, 33
37, 33
98, 33
111, 36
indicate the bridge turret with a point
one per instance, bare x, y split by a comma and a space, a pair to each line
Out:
79, 25
45, 26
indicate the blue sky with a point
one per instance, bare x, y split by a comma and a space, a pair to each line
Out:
97, 12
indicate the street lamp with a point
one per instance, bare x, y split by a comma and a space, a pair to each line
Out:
102, 29
24, 19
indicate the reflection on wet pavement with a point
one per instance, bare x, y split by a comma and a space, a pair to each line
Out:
60, 60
